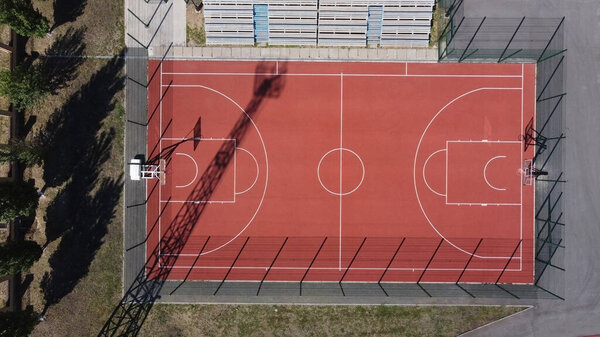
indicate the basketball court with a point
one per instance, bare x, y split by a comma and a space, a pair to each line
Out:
330, 171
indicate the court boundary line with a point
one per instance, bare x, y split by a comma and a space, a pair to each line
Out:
336, 269
522, 141
345, 74
341, 77
341, 155
160, 134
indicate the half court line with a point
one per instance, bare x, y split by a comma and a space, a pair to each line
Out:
341, 154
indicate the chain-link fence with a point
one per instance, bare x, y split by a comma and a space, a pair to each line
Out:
527, 40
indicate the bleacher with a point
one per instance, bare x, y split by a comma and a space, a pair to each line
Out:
323, 22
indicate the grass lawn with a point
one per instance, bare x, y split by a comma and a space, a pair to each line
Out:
195, 25
77, 282
78, 279
256, 320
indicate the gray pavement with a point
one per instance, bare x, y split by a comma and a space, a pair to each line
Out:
579, 314
155, 23
296, 53
136, 93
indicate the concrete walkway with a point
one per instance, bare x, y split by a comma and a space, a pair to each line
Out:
156, 23
298, 53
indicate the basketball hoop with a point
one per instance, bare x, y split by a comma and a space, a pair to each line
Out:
530, 173
528, 177
532, 137
139, 171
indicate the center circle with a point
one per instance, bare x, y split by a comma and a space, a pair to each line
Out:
341, 171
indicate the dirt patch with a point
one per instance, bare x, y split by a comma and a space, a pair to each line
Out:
101, 20
3, 294
4, 138
4, 34
4, 129
4, 60
195, 24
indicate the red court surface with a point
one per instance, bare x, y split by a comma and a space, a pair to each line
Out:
317, 171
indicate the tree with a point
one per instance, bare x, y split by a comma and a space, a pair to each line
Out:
17, 199
18, 256
24, 86
23, 18
17, 324
22, 152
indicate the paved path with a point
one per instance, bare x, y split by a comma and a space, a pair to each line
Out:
299, 53
579, 314
155, 23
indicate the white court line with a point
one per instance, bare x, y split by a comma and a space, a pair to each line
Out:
346, 74
193, 138
341, 150
160, 133
486, 179
406, 68
482, 204
500, 76
234, 169
425, 166
415, 168
195, 167
257, 171
521, 185
351, 268
199, 201
341, 155
486, 141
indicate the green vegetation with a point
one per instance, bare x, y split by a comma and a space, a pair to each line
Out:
21, 16
23, 152
266, 320
18, 256
17, 199
25, 87
17, 324
439, 21
196, 34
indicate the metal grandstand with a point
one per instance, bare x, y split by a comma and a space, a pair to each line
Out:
318, 22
